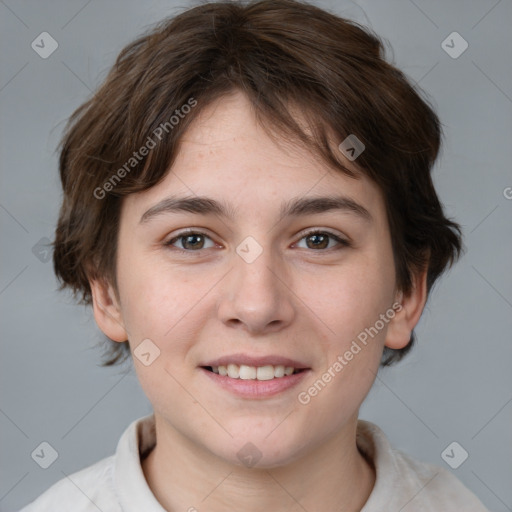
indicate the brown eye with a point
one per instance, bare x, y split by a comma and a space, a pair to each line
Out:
319, 240
191, 241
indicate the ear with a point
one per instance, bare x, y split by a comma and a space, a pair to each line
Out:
400, 327
107, 311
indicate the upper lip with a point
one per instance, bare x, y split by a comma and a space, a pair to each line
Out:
248, 360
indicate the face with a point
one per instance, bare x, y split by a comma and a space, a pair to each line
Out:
255, 288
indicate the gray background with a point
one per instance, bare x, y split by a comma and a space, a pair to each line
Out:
457, 383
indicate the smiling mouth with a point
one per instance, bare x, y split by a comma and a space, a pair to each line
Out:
244, 372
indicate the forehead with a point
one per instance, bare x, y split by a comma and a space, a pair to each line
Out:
229, 127
228, 155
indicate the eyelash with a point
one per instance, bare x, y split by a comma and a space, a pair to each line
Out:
343, 243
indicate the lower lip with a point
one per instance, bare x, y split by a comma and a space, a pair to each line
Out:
256, 388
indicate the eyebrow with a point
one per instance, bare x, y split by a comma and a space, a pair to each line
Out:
293, 208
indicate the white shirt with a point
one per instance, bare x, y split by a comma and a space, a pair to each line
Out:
117, 483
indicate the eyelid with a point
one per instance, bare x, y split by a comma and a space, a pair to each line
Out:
342, 240
184, 233
327, 231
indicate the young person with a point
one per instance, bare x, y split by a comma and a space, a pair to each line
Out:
248, 206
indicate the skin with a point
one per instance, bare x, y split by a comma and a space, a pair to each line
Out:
294, 300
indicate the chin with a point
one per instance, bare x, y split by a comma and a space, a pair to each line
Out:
261, 449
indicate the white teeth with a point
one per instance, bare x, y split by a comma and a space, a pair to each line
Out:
265, 373
233, 371
279, 371
247, 372
244, 372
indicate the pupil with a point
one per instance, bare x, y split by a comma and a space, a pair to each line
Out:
317, 237
187, 238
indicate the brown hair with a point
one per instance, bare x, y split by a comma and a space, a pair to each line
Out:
283, 54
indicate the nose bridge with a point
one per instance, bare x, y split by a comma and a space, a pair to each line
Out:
257, 295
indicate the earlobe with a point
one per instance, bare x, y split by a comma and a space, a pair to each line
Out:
400, 327
107, 311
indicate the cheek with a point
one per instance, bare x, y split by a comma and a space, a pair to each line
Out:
164, 305
353, 344
150, 299
354, 298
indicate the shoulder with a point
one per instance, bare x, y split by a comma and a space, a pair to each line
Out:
407, 484
434, 488
113, 484
86, 490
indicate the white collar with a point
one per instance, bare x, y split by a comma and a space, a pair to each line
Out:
130, 483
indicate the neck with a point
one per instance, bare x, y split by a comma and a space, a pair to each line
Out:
332, 476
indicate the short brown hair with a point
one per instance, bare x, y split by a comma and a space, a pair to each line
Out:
282, 54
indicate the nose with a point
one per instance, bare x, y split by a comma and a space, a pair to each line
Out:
257, 294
